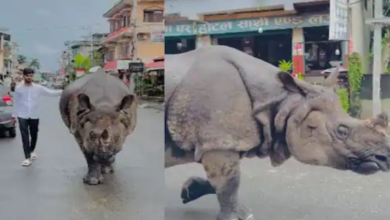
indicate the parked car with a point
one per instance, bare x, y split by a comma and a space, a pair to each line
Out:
7, 118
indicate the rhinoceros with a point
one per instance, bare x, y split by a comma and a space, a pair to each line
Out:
100, 111
223, 105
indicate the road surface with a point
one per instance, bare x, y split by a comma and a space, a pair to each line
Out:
52, 188
290, 192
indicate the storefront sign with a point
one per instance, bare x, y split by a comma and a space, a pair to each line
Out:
339, 20
122, 64
136, 67
157, 36
246, 25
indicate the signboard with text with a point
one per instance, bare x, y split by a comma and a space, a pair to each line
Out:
157, 36
246, 25
136, 67
339, 20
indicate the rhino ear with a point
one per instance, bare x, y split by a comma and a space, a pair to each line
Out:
290, 83
84, 101
126, 102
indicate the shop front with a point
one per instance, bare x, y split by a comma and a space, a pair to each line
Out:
300, 39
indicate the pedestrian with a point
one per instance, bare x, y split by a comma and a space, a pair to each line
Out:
26, 107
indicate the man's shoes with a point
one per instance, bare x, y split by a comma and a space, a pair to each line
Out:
26, 162
34, 156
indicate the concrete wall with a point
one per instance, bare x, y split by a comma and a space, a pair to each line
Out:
366, 95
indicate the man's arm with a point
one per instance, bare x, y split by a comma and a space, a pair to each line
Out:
16, 101
49, 92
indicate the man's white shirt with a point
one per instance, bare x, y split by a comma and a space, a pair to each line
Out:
26, 99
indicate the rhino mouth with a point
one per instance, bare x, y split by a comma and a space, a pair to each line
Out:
372, 165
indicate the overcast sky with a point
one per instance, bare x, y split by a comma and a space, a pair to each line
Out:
41, 27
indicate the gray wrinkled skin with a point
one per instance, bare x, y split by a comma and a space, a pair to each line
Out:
223, 105
100, 111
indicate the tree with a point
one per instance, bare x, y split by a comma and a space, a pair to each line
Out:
34, 64
22, 59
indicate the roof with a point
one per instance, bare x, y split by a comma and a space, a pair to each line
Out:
117, 7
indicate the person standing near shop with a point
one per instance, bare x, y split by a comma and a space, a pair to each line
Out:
26, 107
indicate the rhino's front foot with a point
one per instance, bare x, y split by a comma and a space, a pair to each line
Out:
94, 176
239, 215
107, 168
194, 188
223, 172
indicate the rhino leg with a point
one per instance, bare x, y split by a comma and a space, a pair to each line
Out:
223, 171
194, 188
108, 166
94, 175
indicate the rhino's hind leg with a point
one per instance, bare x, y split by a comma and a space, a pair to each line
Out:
194, 188
223, 171
94, 175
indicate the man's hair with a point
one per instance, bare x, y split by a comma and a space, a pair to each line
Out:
28, 71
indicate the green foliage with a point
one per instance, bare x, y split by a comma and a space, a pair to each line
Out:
355, 72
81, 62
22, 59
286, 66
300, 76
34, 64
355, 76
344, 100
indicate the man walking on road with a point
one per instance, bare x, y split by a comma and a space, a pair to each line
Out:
26, 106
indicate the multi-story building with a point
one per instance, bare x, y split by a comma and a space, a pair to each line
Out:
294, 31
118, 45
83, 47
5, 52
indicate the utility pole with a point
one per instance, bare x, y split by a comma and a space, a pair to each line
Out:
134, 56
91, 42
379, 21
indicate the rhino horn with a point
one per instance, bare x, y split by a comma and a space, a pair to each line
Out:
333, 78
379, 123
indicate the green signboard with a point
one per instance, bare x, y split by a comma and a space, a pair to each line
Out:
246, 25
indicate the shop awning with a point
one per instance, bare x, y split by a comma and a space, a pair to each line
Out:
110, 65
155, 65
159, 59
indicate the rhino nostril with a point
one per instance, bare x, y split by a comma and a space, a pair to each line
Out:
381, 158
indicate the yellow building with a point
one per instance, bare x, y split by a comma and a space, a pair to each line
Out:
118, 45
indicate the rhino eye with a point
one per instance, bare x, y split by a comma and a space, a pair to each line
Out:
92, 135
342, 131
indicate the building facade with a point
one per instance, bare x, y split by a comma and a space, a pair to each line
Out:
118, 45
294, 31
6, 48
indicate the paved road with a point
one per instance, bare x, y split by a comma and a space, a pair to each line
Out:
291, 192
52, 188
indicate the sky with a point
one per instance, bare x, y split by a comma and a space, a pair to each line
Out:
41, 27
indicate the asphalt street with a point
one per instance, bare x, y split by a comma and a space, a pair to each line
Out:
291, 192
52, 187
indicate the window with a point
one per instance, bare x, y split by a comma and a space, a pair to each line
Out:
112, 26
153, 16
123, 21
125, 50
110, 55
127, 18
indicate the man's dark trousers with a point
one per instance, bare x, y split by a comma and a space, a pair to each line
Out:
28, 127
